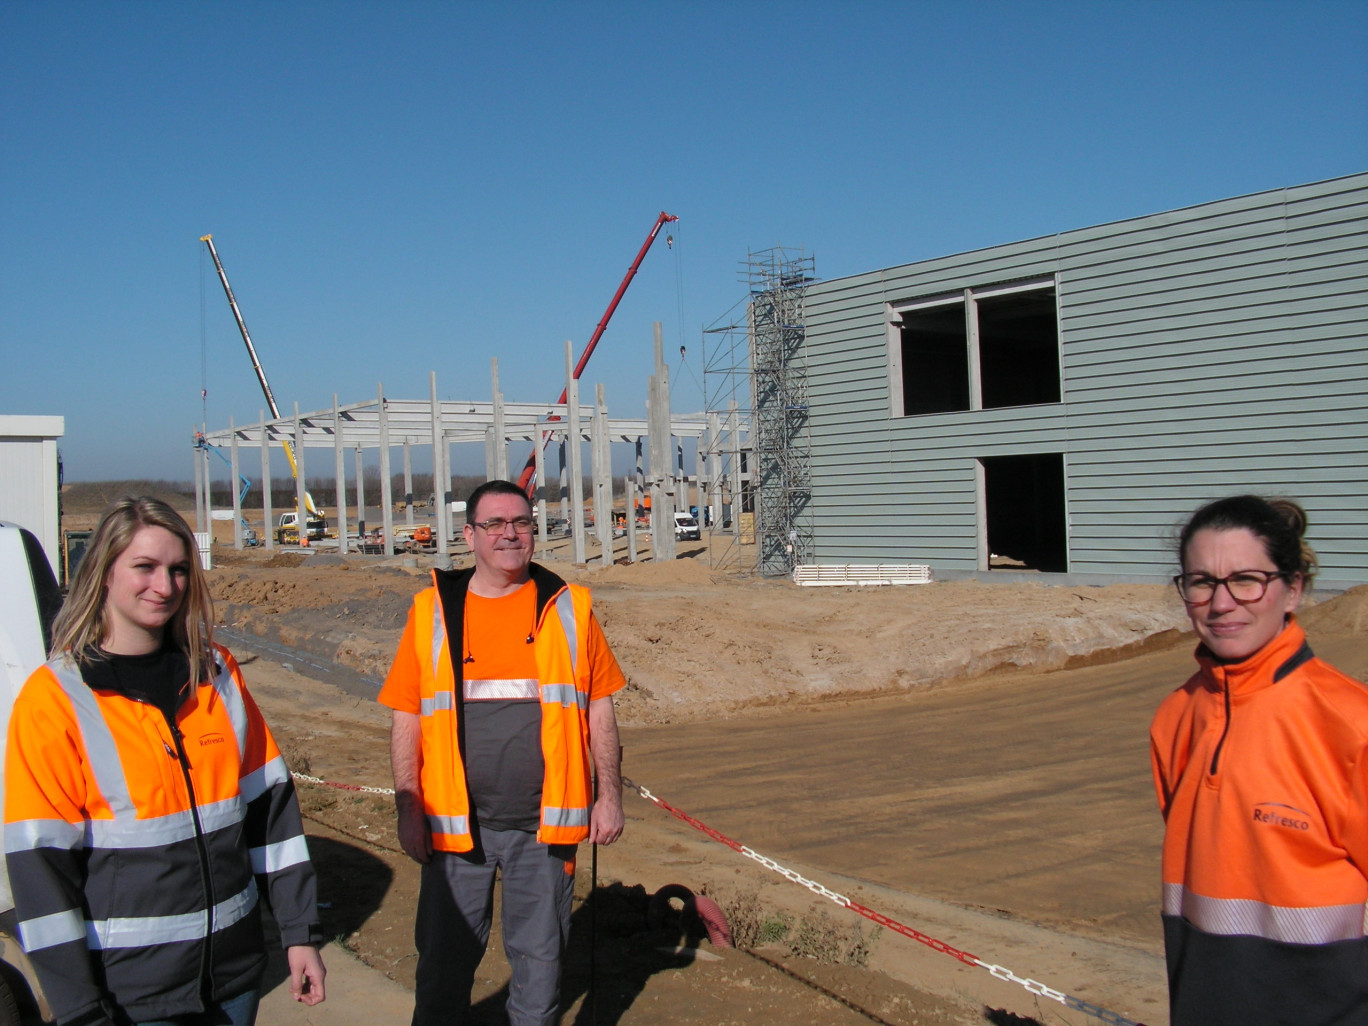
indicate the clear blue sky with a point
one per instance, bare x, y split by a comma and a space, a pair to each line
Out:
399, 188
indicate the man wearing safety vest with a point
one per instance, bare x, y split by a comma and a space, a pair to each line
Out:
501, 692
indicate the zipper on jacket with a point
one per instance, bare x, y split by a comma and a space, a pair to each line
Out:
1225, 731
206, 877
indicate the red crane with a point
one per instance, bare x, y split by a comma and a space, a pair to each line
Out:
525, 479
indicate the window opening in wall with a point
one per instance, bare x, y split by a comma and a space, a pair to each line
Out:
935, 363
986, 348
1018, 348
1024, 513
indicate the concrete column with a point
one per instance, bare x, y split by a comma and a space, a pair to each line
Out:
663, 488
340, 469
408, 483
576, 457
539, 483
198, 455
601, 468
564, 484
301, 508
499, 470
360, 499
266, 481
715, 467
630, 490
238, 540
386, 485
737, 501
442, 523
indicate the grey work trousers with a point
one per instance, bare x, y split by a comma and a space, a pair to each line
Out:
455, 906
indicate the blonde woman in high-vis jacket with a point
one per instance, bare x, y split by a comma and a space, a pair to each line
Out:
148, 810
1261, 768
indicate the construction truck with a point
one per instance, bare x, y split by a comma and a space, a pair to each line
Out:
287, 529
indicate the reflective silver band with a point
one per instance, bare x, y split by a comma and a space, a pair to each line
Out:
442, 701
456, 825
1243, 917
274, 857
512, 689
233, 703
49, 931
99, 740
558, 817
565, 607
565, 695
438, 634
43, 833
144, 931
259, 781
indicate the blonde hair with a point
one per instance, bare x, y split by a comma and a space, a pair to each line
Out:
82, 625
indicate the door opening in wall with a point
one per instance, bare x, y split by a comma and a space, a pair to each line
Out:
1024, 512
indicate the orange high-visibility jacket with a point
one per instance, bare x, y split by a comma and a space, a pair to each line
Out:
136, 847
565, 684
1261, 769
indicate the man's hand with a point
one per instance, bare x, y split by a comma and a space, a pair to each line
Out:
406, 759
414, 836
605, 819
306, 974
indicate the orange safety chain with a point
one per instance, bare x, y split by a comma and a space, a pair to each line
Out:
1001, 972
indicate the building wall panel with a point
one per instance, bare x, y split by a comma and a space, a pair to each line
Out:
1219, 348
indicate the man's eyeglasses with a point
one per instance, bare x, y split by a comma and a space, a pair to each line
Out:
496, 525
1245, 586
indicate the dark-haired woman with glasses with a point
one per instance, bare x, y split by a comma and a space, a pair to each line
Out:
1261, 767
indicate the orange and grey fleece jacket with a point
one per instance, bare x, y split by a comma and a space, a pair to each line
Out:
1261, 769
136, 846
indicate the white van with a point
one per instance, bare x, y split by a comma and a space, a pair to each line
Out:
29, 601
686, 528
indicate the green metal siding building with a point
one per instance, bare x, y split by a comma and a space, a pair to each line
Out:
1060, 405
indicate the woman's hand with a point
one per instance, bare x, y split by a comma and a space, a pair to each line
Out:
306, 974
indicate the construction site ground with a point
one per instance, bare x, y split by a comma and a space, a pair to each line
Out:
969, 759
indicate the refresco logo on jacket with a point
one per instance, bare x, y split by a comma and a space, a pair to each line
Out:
211, 739
1276, 814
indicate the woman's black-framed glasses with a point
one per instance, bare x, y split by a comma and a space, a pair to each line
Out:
496, 525
1245, 586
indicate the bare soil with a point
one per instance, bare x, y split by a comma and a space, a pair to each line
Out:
967, 759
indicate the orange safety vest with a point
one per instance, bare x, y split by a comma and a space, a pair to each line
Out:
561, 649
1261, 769
134, 846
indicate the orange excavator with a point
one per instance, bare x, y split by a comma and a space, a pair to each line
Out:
525, 479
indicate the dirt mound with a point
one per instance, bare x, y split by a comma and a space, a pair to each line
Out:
697, 643
1343, 614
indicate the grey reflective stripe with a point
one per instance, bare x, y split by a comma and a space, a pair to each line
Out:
558, 817
147, 833
160, 830
99, 739
49, 931
564, 695
261, 780
1242, 917
509, 689
144, 931
233, 702
272, 858
565, 607
438, 634
448, 825
442, 701
25, 835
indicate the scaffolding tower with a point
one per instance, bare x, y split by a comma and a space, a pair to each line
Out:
780, 438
